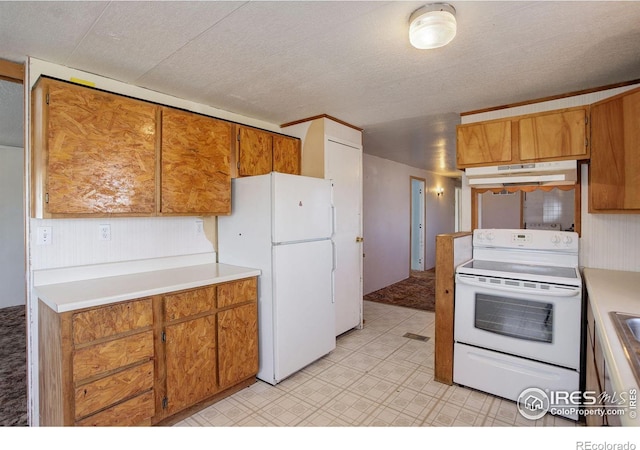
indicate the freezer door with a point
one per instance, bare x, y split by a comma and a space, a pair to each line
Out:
301, 208
304, 314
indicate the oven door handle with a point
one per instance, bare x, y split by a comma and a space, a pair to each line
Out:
552, 292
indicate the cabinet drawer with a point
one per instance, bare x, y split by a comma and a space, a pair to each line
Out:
189, 303
237, 292
111, 320
136, 411
97, 359
113, 389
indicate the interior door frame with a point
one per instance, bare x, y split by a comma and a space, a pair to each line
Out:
423, 205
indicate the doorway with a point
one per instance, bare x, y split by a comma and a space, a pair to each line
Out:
417, 223
13, 311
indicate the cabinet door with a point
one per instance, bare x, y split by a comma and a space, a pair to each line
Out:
614, 172
286, 155
483, 143
255, 154
190, 357
196, 171
556, 135
237, 344
101, 155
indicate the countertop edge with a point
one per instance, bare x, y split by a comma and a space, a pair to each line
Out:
75, 295
621, 373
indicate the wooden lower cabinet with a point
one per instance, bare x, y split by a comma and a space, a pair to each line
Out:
141, 362
597, 382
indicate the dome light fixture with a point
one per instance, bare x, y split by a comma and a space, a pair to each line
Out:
432, 26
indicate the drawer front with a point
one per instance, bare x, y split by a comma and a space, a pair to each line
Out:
113, 389
189, 303
97, 359
111, 320
237, 292
136, 411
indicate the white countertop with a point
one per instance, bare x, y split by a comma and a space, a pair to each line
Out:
77, 294
612, 290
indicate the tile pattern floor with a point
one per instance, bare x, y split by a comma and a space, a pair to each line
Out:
375, 377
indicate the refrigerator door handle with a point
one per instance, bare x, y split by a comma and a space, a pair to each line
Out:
333, 272
333, 220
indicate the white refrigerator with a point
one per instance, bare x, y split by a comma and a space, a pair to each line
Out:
282, 224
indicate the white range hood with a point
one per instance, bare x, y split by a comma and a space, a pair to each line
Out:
541, 173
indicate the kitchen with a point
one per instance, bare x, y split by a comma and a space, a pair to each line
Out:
140, 239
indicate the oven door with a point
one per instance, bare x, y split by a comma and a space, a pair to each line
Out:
538, 321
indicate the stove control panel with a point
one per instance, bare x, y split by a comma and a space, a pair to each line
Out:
526, 239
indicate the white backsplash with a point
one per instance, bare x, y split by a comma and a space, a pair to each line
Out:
75, 242
608, 241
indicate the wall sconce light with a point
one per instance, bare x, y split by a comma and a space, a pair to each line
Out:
439, 191
432, 26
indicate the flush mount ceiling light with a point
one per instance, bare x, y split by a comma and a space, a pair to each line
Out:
432, 26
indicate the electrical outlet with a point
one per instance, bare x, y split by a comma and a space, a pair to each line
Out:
104, 232
44, 236
199, 226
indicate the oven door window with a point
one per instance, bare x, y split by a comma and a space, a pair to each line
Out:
522, 319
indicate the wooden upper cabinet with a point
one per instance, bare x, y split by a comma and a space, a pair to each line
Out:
483, 143
260, 152
286, 155
614, 172
547, 136
255, 155
195, 168
556, 135
94, 152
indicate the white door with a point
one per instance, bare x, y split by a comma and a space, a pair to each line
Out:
304, 315
417, 223
343, 165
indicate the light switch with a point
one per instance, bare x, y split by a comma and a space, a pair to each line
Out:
44, 236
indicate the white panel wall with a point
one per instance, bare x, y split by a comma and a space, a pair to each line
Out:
386, 222
608, 241
75, 242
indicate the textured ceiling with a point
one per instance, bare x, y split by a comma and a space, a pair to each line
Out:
283, 61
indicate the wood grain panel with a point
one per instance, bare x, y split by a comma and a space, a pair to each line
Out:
191, 362
111, 320
101, 152
50, 364
196, 171
133, 412
255, 152
189, 303
483, 143
286, 155
237, 344
237, 292
110, 355
445, 306
561, 134
110, 390
614, 173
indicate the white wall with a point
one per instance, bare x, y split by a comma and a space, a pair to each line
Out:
12, 263
386, 219
608, 241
